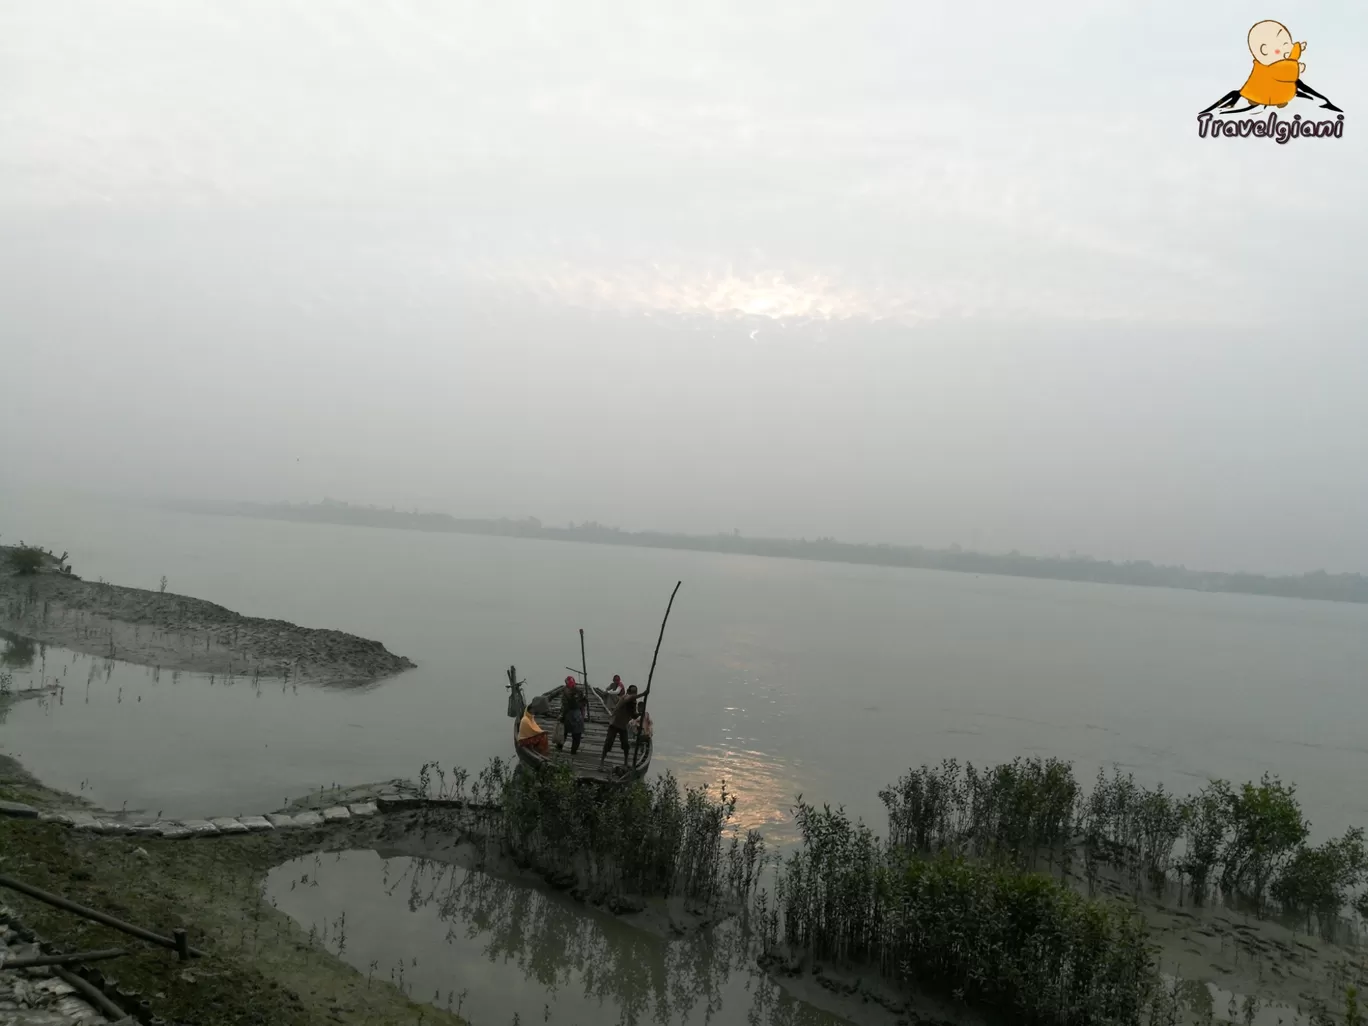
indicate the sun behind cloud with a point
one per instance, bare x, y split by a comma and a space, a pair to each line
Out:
773, 294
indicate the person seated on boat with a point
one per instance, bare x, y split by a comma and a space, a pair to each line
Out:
642, 725
624, 713
574, 705
616, 687
530, 733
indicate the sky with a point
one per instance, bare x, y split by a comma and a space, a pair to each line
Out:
959, 275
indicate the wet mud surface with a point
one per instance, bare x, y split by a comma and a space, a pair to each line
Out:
179, 633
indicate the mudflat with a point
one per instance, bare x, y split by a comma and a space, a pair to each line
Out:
176, 632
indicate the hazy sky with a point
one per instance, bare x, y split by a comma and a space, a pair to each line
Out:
869, 270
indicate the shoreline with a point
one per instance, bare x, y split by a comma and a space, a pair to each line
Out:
1206, 946
180, 633
212, 883
1317, 586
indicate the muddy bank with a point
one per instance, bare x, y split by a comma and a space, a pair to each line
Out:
260, 967
176, 632
857, 994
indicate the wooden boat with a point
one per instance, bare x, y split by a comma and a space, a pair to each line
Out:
584, 763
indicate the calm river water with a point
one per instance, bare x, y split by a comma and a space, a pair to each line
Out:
779, 676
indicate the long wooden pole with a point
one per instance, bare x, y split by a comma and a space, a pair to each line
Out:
584, 676
32, 961
641, 712
93, 994
89, 913
584, 663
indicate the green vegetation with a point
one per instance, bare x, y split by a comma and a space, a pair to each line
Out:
1319, 881
1013, 812
613, 845
971, 896
26, 559
1315, 585
1018, 943
1247, 843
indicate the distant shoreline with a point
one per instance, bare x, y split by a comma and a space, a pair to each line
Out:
1318, 585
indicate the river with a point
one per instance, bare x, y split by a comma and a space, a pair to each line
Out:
780, 676
783, 677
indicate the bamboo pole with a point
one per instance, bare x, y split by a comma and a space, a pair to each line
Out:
584, 663
76, 958
89, 913
641, 709
93, 994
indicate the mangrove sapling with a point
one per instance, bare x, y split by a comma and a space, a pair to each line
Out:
1206, 823
1317, 881
924, 807
1266, 830
1008, 812
1166, 1007
1353, 1015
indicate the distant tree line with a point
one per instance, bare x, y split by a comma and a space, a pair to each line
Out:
1315, 585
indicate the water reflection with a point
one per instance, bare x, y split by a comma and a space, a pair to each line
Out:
499, 950
18, 652
762, 784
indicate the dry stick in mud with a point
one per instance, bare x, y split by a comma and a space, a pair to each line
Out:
641, 712
177, 945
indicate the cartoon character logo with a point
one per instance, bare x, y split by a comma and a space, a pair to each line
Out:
1275, 80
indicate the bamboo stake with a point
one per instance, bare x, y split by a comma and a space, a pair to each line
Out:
641, 710
89, 913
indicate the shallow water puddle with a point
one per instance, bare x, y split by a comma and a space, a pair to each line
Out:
503, 954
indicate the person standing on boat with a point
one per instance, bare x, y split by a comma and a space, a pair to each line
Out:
574, 704
615, 688
623, 714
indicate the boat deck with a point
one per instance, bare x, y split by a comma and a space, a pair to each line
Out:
585, 762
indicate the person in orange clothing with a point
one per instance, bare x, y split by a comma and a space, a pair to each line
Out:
530, 733
1275, 80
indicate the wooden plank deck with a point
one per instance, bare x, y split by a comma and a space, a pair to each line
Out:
585, 762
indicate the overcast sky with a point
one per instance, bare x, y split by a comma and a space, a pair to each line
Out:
867, 270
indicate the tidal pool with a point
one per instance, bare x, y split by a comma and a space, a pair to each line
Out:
505, 954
